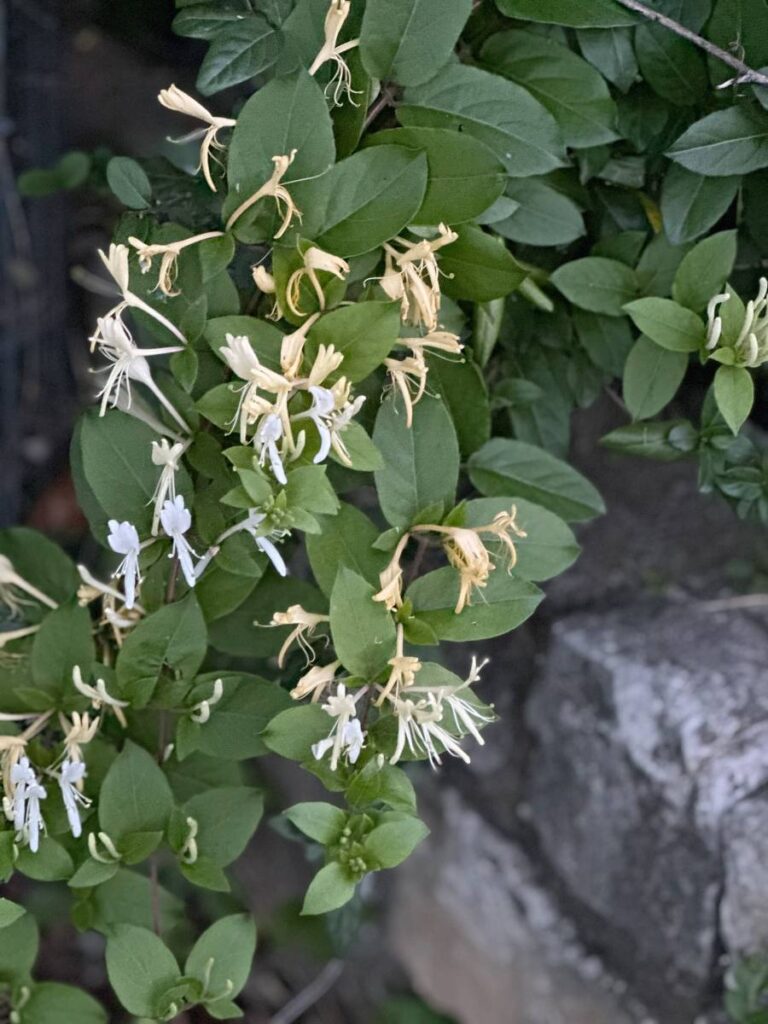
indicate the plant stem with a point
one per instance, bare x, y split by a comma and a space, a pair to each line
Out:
307, 998
384, 100
745, 73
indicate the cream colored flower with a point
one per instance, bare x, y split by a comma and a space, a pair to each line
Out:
273, 188
180, 102
116, 262
99, 697
12, 585
169, 253
403, 670
409, 376
305, 623
751, 345
78, 732
331, 50
391, 579
315, 681
412, 277
315, 261
292, 347
265, 282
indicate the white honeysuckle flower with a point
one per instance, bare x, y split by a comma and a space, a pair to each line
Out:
466, 715
116, 262
332, 50
323, 405
176, 520
315, 261
123, 538
11, 582
269, 432
34, 823
128, 362
22, 776
181, 102
111, 854
412, 277
332, 412
252, 524
292, 347
751, 345
418, 729
239, 355
77, 733
327, 361
346, 735
70, 777
167, 456
169, 253
305, 623
403, 669
98, 696
201, 712
265, 282
315, 681
275, 189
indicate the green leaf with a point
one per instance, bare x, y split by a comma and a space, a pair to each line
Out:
391, 843
382, 784
486, 329
503, 467
652, 376
464, 176
203, 20
129, 182
288, 113
408, 41
573, 13
127, 899
264, 337
504, 116
230, 943
233, 730
346, 540
543, 216
668, 324
293, 732
597, 284
570, 88
421, 463
734, 394
732, 141
51, 863
607, 339
43, 564
501, 606
227, 817
362, 629
704, 270
330, 889
610, 50
19, 943
141, 969
53, 1003
549, 546
320, 821
462, 387
666, 441
135, 795
479, 267
691, 203
9, 912
63, 641
92, 873
367, 199
364, 333
242, 50
672, 66
175, 637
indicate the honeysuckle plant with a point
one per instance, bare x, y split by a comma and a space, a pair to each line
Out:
328, 459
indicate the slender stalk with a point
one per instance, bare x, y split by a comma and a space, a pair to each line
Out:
307, 998
383, 101
745, 73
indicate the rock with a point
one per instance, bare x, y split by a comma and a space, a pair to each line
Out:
744, 907
650, 725
482, 940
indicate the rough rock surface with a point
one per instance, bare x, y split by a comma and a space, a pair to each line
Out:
482, 940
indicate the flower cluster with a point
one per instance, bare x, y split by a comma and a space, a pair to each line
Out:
749, 348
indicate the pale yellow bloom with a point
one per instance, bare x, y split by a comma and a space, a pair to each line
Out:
174, 99
327, 361
331, 50
403, 670
116, 262
409, 376
435, 341
265, 282
391, 579
292, 347
305, 623
77, 733
315, 681
169, 253
412, 277
99, 697
273, 188
315, 261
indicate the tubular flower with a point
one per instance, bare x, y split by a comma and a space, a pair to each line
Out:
468, 554
174, 99
315, 261
240, 357
419, 729
292, 347
167, 456
116, 262
305, 623
77, 733
346, 736
273, 188
169, 253
412, 277
409, 376
315, 681
119, 618
128, 362
27, 817
124, 540
177, 520
71, 775
269, 432
466, 715
403, 670
331, 50
327, 361
12, 582
265, 282
201, 712
253, 524
436, 341
391, 579
750, 349
332, 412
99, 697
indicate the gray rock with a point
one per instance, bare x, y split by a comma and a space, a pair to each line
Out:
650, 725
744, 907
482, 940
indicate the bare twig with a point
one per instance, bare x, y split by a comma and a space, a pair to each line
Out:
314, 991
745, 73
725, 604
383, 101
